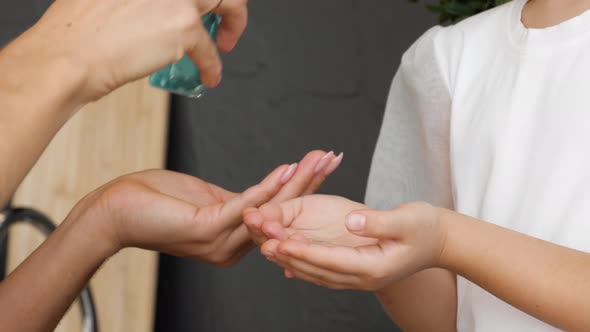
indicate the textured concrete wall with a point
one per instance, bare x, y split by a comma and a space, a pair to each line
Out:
308, 74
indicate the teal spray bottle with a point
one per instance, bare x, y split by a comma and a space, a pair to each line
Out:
183, 78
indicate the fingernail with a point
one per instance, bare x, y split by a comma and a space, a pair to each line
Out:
334, 164
219, 78
271, 259
289, 274
288, 173
324, 162
356, 222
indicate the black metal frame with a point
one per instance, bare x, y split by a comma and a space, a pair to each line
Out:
10, 216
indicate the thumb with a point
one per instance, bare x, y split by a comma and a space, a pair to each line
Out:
375, 223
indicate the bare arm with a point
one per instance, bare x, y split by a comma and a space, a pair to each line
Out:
545, 280
37, 294
36, 99
425, 301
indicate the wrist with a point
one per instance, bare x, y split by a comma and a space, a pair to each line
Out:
452, 222
93, 230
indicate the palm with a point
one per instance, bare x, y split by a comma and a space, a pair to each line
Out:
155, 196
319, 218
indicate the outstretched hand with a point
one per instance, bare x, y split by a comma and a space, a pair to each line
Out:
340, 244
184, 216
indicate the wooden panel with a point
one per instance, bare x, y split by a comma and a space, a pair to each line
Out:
123, 133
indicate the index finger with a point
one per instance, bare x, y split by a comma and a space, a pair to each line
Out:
233, 24
203, 52
346, 260
304, 176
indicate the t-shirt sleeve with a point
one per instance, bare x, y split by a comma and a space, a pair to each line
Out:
412, 159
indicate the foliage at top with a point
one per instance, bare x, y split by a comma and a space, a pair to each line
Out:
452, 11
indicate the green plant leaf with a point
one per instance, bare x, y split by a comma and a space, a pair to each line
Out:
451, 11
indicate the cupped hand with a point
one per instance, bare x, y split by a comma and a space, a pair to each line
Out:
185, 216
339, 244
114, 42
313, 173
317, 218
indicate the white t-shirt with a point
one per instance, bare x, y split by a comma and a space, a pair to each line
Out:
493, 120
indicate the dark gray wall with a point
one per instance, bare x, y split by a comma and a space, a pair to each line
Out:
18, 15
308, 74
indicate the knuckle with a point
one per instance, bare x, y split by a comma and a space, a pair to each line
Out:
188, 18
239, 3
378, 274
208, 251
219, 258
122, 189
406, 206
370, 284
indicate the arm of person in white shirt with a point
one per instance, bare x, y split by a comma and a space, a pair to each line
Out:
360, 248
411, 162
422, 301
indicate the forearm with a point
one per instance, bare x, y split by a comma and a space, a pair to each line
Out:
545, 280
426, 301
36, 98
38, 293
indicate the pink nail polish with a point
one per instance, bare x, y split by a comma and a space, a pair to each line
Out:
288, 173
324, 162
334, 164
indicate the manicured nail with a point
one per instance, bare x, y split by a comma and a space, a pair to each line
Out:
288, 173
334, 164
324, 162
356, 222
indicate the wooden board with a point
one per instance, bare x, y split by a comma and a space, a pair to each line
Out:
123, 133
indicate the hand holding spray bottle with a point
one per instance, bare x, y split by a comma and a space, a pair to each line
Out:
183, 78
